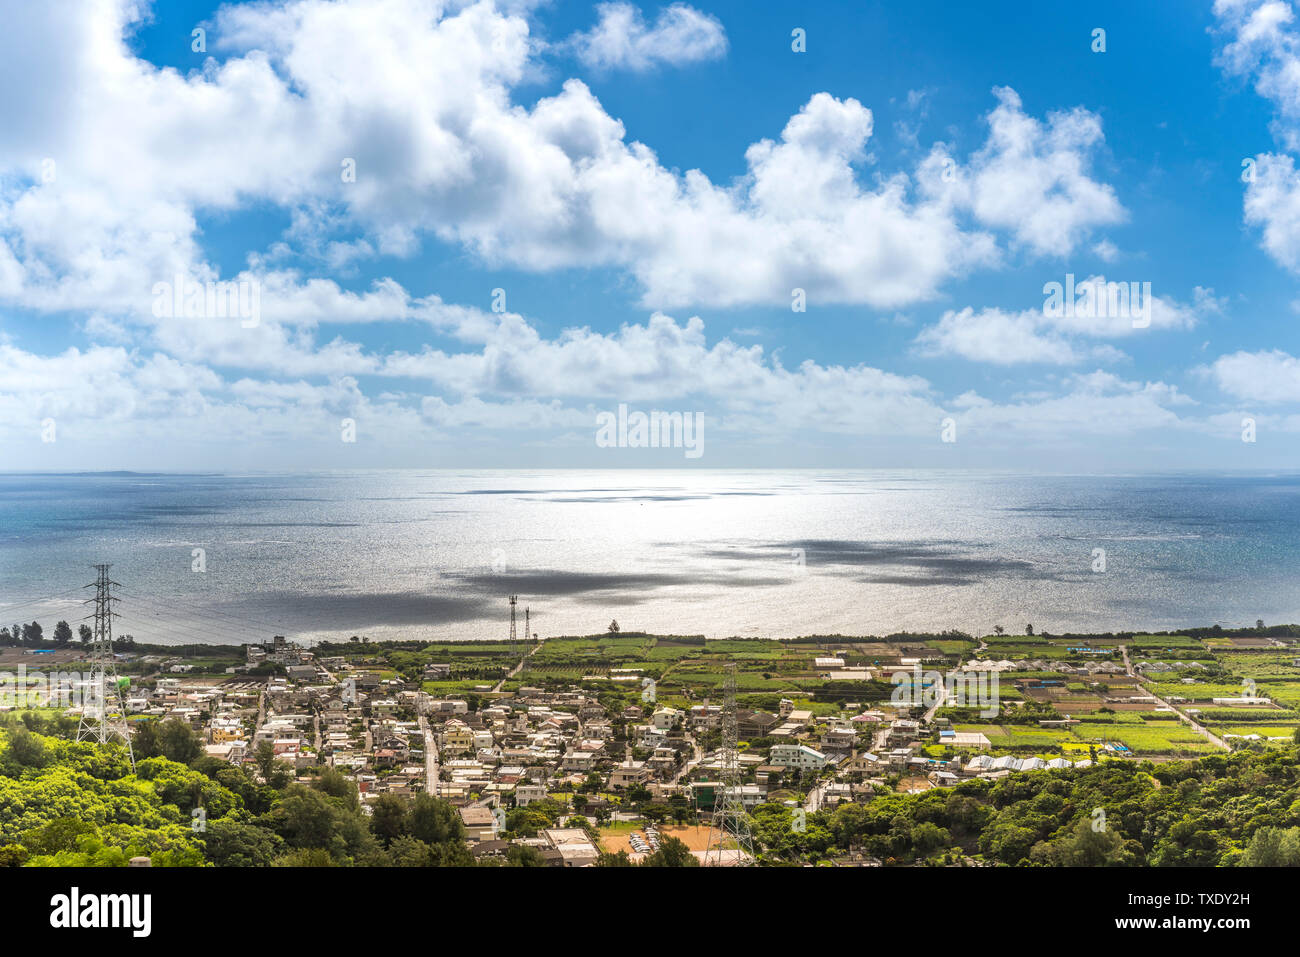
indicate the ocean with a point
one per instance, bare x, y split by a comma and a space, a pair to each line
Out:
434, 554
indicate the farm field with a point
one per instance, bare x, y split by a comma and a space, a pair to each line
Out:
1283, 731
1146, 738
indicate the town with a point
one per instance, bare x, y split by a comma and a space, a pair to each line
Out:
575, 749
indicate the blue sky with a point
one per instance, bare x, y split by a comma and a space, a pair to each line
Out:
648, 185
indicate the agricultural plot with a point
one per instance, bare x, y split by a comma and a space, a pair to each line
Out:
1157, 737
604, 648
1134, 717
954, 647
1016, 736
1204, 691
1282, 730
443, 689
1164, 642
1019, 652
1262, 666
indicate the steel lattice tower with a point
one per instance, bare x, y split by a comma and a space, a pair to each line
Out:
514, 639
730, 822
103, 713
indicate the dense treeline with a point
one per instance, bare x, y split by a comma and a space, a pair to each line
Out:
68, 803
74, 804
1221, 810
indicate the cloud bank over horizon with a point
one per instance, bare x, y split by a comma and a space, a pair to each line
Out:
340, 166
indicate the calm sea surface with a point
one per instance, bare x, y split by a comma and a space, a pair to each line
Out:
429, 554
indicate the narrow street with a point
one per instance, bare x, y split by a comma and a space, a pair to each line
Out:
690, 764
517, 668
430, 758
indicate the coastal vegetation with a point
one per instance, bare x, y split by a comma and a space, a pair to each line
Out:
67, 803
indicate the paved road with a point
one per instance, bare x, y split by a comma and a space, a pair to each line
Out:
430, 758
690, 764
1185, 718
815, 798
943, 696
517, 668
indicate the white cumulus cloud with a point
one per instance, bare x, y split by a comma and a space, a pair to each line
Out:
621, 38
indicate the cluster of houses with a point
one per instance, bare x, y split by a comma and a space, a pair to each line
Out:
510, 749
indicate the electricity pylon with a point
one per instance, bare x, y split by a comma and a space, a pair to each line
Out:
103, 713
730, 822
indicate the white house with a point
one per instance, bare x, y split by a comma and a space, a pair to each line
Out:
796, 756
666, 718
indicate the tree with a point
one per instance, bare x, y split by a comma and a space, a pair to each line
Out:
406, 851
27, 749
613, 627
998, 629
144, 742
308, 818
928, 837
33, 633
306, 857
230, 843
520, 855
672, 853
13, 855
1029, 629
60, 834
435, 821
333, 782
1085, 847
656, 813
390, 818
84, 632
1273, 847
264, 758
62, 634
178, 742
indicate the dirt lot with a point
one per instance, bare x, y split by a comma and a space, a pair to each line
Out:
12, 657
696, 838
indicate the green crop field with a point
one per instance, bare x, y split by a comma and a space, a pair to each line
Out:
1152, 737
1147, 642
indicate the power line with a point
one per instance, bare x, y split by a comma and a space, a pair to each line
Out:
211, 612
5, 609
256, 631
192, 633
156, 607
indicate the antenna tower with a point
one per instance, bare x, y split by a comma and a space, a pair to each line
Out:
514, 639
